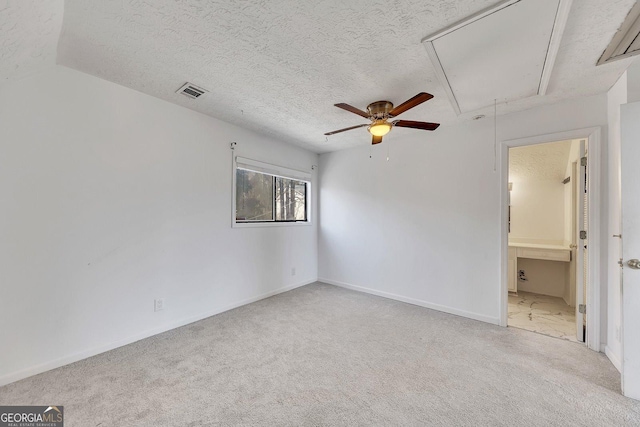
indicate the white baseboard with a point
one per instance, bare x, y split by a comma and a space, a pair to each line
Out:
421, 303
71, 358
614, 358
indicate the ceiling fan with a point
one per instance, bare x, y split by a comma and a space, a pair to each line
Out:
380, 112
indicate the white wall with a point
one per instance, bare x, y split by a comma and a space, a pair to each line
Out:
538, 215
617, 96
424, 227
633, 82
112, 198
537, 210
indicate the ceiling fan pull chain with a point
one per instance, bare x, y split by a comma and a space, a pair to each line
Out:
495, 134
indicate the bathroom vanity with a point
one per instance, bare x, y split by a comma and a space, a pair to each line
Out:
533, 251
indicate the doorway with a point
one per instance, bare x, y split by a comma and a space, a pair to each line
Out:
539, 267
547, 189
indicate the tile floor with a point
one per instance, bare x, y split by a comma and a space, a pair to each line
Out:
543, 314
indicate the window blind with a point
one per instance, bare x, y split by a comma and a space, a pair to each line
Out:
269, 169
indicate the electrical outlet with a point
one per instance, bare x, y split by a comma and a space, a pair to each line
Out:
293, 271
158, 304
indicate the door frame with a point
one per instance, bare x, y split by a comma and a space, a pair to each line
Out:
593, 137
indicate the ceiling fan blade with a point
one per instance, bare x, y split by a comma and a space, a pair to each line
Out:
353, 110
345, 129
416, 100
416, 125
376, 140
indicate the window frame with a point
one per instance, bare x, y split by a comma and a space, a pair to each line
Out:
274, 171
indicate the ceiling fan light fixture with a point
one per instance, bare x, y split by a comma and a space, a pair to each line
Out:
379, 128
380, 112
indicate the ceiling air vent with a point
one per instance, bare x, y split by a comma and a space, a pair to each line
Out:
626, 42
191, 90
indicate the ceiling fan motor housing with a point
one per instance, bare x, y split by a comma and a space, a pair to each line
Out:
379, 109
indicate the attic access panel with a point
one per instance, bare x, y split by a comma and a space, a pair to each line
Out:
504, 53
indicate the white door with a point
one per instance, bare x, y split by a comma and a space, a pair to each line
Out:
581, 250
630, 182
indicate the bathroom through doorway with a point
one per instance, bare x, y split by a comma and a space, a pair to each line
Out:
547, 224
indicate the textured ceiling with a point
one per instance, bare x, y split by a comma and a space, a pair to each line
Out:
277, 67
29, 31
545, 162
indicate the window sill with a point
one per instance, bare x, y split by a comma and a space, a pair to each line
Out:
269, 224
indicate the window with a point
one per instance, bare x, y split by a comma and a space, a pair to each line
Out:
270, 194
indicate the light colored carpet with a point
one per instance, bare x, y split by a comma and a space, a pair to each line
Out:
322, 355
